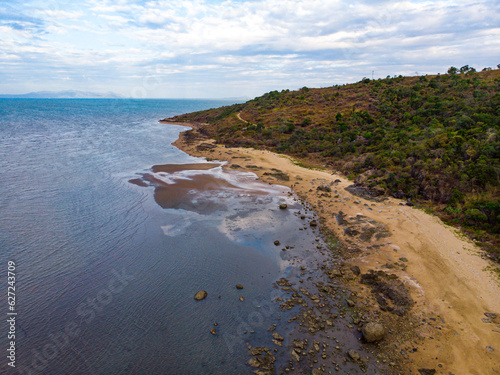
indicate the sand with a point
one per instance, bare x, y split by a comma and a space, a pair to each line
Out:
448, 279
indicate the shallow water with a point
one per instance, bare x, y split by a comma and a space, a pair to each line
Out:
107, 269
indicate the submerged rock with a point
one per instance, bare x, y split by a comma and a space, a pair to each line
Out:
277, 336
200, 295
283, 206
295, 355
239, 286
354, 355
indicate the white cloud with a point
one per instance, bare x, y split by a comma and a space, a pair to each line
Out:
58, 14
263, 43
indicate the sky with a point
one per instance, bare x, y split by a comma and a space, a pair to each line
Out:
235, 49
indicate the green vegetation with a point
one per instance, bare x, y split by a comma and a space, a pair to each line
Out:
431, 139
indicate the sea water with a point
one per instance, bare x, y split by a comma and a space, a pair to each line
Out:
105, 276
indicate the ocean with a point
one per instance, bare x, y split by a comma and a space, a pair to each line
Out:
106, 270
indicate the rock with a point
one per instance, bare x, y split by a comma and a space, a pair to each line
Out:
299, 344
283, 206
239, 286
317, 371
200, 295
206, 146
283, 282
340, 218
495, 318
350, 231
350, 303
313, 223
373, 332
276, 243
398, 194
279, 175
373, 194
325, 188
390, 292
354, 355
355, 270
277, 342
254, 362
277, 336
213, 331
426, 371
263, 372
235, 166
295, 356
242, 299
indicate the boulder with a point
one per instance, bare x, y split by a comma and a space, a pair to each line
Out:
373, 332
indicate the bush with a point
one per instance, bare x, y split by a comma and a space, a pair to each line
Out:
473, 215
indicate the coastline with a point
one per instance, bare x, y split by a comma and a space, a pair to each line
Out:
446, 328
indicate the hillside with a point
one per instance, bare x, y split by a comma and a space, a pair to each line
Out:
432, 140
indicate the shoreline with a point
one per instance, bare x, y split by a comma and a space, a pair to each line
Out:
451, 325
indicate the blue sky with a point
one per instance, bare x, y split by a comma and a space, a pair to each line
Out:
218, 49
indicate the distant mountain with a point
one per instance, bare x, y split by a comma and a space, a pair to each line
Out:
67, 94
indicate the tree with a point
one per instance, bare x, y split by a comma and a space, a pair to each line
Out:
467, 69
452, 70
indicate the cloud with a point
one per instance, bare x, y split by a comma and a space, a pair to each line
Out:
260, 45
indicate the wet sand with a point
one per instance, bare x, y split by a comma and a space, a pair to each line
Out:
177, 187
172, 168
451, 326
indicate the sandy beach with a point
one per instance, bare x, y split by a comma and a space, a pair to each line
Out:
454, 317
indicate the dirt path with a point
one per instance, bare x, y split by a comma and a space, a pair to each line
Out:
449, 281
239, 117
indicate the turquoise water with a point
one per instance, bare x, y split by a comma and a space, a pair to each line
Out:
105, 276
